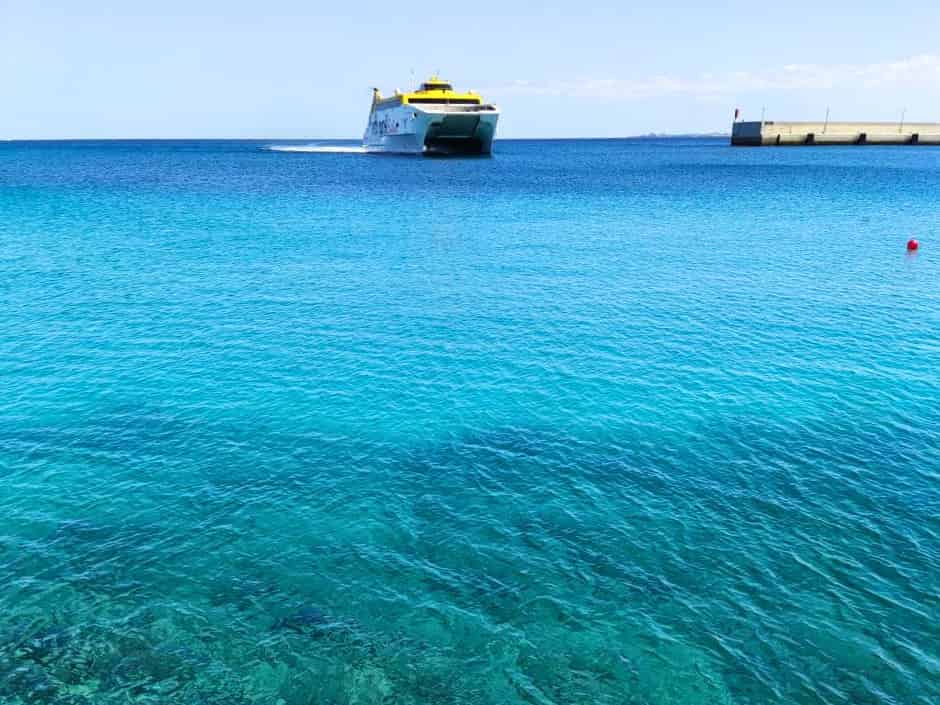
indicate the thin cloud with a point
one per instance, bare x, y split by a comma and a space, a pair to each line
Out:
922, 70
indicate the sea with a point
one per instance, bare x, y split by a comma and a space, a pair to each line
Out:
642, 421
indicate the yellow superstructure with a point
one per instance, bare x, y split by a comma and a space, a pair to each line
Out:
433, 91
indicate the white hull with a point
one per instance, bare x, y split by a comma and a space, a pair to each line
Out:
412, 129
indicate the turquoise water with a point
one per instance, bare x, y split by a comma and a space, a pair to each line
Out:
641, 421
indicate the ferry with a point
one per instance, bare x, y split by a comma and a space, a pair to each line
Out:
434, 119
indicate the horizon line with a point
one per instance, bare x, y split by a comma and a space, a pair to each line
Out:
648, 135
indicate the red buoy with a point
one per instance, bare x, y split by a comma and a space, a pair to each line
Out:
912, 245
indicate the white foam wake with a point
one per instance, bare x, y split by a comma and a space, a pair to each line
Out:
319, 148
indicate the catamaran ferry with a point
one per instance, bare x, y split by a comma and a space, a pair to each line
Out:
434, 119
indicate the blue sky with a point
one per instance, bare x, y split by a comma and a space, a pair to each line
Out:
286, 69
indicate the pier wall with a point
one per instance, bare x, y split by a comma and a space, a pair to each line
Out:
771, 133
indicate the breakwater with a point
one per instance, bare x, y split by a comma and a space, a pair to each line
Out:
773, 133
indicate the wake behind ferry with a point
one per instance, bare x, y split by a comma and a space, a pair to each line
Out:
434, 119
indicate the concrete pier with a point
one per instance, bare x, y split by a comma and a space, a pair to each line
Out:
769, 133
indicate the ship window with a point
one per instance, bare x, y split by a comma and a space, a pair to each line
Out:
446, 101
436, 87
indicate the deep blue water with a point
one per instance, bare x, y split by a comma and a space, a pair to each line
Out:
649, 421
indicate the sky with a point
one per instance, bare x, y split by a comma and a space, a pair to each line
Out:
304, 70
